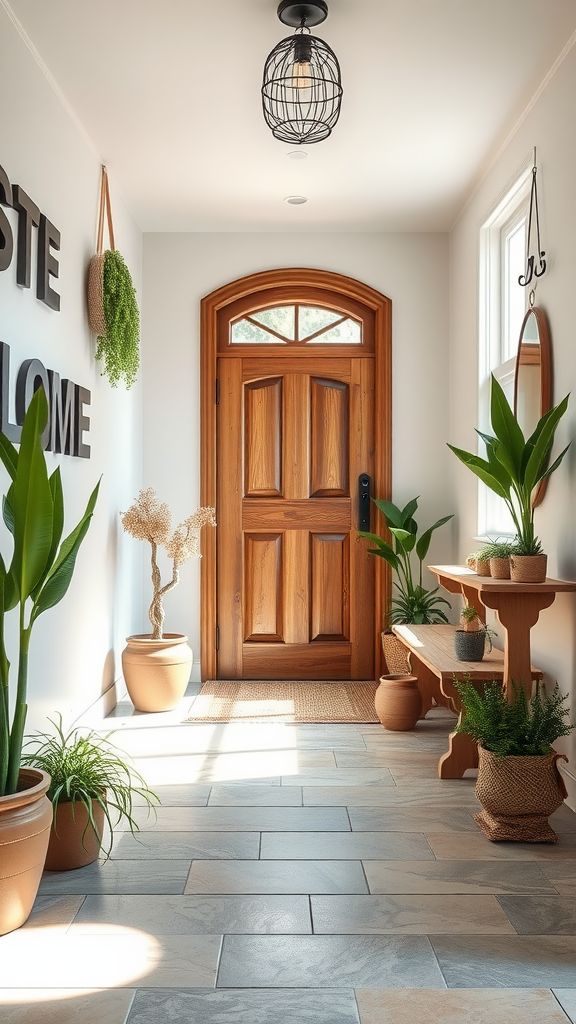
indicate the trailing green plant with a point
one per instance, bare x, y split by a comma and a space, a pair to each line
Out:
40, 570
414, 603
499, 549
119, 346
84, 767
514, 466
523, 727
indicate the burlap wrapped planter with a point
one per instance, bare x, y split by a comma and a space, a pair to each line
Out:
517, 795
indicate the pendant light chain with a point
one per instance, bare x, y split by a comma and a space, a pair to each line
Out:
531, 270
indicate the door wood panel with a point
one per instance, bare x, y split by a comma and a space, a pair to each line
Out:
297, 559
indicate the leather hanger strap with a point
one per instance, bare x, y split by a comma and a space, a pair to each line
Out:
105, 207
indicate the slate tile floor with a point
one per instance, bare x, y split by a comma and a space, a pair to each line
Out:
300, 875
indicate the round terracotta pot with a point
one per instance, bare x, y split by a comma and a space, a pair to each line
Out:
25, 820
73, 841
469, 645
398, 702
518, 793
528, 568
500, 568
156, 672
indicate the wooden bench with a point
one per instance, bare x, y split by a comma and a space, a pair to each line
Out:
434, 663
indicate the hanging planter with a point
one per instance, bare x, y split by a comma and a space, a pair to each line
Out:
112, 307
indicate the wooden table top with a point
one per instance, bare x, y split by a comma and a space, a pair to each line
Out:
434, 646
460, 574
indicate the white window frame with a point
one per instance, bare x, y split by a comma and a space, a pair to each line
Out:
511, 208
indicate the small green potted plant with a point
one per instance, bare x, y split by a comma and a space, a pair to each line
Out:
413, 603
470, 639
91, 784
519, 784
513, 468
498, 553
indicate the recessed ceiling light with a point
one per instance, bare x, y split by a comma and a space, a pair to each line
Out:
296, 200
297, 154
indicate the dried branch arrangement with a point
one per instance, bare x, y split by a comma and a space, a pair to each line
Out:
151, 520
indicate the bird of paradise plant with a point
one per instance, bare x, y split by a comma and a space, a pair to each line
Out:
40, 570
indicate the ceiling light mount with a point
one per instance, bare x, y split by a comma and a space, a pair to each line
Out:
307, 15
301, 88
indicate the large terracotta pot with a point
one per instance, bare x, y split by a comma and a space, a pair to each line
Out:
73, 841
25, 820
156, 672
398, 702
518, 794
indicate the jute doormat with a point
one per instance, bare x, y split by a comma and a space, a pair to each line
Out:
284, 701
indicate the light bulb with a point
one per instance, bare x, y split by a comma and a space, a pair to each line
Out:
301, 75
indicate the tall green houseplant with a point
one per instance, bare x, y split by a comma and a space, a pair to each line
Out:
514, 466
39, 572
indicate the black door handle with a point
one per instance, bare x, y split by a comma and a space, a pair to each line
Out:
364, 501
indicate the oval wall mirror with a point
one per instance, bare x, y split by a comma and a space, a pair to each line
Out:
533, 378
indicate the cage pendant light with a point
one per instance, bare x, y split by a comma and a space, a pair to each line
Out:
301, 89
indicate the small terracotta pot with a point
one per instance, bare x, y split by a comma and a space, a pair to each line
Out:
156, 672
470, 644
482, 567
73, 842
500, 568
528, 568
398, 702
25, 820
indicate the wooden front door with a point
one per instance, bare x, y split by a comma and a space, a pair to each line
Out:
295, 426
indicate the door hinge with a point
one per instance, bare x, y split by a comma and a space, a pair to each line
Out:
217, 638
217, 392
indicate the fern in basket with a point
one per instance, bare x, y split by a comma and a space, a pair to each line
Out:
524, 727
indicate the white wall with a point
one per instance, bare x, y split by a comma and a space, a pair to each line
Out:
74, 652
412, 270
550, 127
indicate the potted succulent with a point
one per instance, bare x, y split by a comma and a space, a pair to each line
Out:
157, 665
513, 468
519, 784
91, 783
36, 579
413, 603
470, 639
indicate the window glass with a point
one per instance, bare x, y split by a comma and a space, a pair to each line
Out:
345, 333
312, 320
281, 319
244, 332
286, 324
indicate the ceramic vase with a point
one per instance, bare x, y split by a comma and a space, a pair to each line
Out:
398, 702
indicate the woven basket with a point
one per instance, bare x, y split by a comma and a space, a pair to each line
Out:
500, 568
96, 267
395, 655
483, 566
517, 795
528, 568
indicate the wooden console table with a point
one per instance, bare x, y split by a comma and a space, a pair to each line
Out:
434, 663
517, 605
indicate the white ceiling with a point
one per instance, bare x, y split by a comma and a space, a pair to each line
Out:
169, 93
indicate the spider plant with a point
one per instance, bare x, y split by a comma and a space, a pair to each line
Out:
87, 767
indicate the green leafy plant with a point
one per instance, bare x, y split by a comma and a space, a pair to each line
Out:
87, 767
523, 727
514, 466
414, 604
499, 549
41, 568
119, 346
